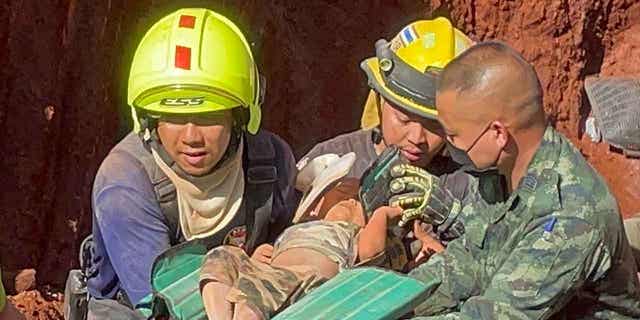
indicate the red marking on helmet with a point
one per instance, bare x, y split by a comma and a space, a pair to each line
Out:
187, 22
183, 57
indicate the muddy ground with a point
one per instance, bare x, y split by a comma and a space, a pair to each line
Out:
63, 87
39, 304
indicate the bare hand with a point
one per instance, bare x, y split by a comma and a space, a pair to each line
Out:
263, 253
391, 213
430, 246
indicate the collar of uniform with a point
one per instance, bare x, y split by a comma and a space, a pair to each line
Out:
538, 191
542, 179
547, 155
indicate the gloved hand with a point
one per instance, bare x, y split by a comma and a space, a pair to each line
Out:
418, 192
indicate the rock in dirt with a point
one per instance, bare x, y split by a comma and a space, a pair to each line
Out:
25, 280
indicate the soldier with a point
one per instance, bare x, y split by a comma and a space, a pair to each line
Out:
556, 246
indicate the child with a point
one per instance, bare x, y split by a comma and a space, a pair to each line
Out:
333, 234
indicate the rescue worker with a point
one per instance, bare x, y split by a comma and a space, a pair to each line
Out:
197, 166
400, 108
556, 247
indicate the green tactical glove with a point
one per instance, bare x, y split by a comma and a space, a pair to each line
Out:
419, 193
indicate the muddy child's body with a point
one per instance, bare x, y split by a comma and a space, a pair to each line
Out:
304, 256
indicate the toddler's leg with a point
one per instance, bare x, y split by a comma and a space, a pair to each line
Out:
215, 303
244, 312
218, 274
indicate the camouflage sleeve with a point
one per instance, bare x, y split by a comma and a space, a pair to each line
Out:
537, 279
457, 275
463, 189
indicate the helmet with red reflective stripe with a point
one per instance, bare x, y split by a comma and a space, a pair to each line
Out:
194, 61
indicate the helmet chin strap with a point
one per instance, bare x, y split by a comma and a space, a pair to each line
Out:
149, 136
377, 137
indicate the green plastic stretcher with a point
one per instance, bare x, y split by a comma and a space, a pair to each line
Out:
362, 293
175, 278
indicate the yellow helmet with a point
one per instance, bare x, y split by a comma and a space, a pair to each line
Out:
404, 71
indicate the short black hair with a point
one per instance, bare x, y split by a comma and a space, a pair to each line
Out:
468, 72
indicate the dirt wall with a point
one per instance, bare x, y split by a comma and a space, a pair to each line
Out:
568, 41
63, 86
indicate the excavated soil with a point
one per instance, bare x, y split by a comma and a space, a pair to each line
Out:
64, 83
623, 175
39, 304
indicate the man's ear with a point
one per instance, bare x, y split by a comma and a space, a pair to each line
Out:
501, 134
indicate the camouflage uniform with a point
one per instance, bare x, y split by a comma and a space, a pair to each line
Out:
265, 289
334, 239
269, 289
555, 249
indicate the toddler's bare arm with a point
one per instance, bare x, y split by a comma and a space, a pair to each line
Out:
372, 239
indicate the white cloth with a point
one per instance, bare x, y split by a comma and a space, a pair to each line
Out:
207, 204
315, 175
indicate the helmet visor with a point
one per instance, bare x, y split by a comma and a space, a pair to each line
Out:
186, 99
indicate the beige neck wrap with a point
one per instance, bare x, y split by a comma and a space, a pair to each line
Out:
207, 204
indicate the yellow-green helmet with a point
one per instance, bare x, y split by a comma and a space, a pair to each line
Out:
194, 61
400, 70
3, 296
